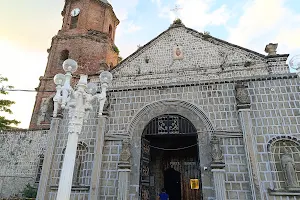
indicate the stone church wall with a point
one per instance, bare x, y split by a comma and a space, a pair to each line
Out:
109, 175
19, 159
216, 100
237, 176
87, 140
275, 115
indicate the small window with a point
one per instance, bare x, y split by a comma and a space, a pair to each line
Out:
80, 168
39, 169
110, 31
64, 55
74, 22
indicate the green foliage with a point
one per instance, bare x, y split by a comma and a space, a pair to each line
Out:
206, 33
29, 191
5, 106
120, 59
116, 49
177, 21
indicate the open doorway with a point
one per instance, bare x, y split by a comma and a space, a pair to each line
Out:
172, 183
173, 160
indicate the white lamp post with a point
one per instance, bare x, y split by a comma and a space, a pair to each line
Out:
79, 104
295, 64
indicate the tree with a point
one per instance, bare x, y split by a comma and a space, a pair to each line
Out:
29, 191
5, 124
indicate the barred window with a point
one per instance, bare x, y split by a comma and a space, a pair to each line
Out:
80, 174
80, 167
278, 148
39, 168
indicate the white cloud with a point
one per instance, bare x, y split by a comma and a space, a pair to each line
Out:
267, 21
124, 11
123, 8
131, 27
196, 14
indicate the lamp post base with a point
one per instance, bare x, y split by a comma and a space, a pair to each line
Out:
66, 178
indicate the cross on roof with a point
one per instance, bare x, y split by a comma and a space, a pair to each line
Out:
175, 10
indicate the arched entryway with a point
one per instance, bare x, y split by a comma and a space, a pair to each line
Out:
203, 128
170, 158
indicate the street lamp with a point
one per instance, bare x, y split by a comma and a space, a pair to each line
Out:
295, 64
79, 103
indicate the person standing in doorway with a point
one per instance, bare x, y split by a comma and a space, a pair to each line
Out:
163, 195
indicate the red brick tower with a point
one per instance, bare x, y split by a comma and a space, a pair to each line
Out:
87, 36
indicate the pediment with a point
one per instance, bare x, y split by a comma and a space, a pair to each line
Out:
202, 58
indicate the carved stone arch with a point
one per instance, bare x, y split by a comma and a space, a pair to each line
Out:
167, 107
84, 145
281, 137
276, 148
188, 110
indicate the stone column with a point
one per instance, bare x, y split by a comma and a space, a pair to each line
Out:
217, 168
123, 181
243, 106
51, 142
219, 183
97, 164
124, 171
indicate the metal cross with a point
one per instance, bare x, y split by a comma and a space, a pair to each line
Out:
175, 10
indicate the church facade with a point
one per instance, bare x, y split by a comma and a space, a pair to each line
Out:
196, 115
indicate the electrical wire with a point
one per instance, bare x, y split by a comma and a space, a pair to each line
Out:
20, 90
177, 149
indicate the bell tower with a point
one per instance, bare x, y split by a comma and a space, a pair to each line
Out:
87, 36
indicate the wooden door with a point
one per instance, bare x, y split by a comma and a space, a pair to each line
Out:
188, 169
145, 170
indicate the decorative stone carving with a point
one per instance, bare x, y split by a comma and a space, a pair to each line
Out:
177, 53
271, 49
107, 105
43, 110
288, 166
216, 151
125, 154
242, 96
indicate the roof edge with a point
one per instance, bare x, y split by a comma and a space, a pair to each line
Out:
172, 26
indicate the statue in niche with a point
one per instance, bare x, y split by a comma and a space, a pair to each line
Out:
288, 167
77, 169
107, 105
242, 95
43, 110
125, 154
216, 151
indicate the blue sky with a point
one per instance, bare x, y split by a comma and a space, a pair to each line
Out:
28, 26
249, 23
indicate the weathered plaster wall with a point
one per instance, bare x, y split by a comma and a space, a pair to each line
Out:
19, 159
